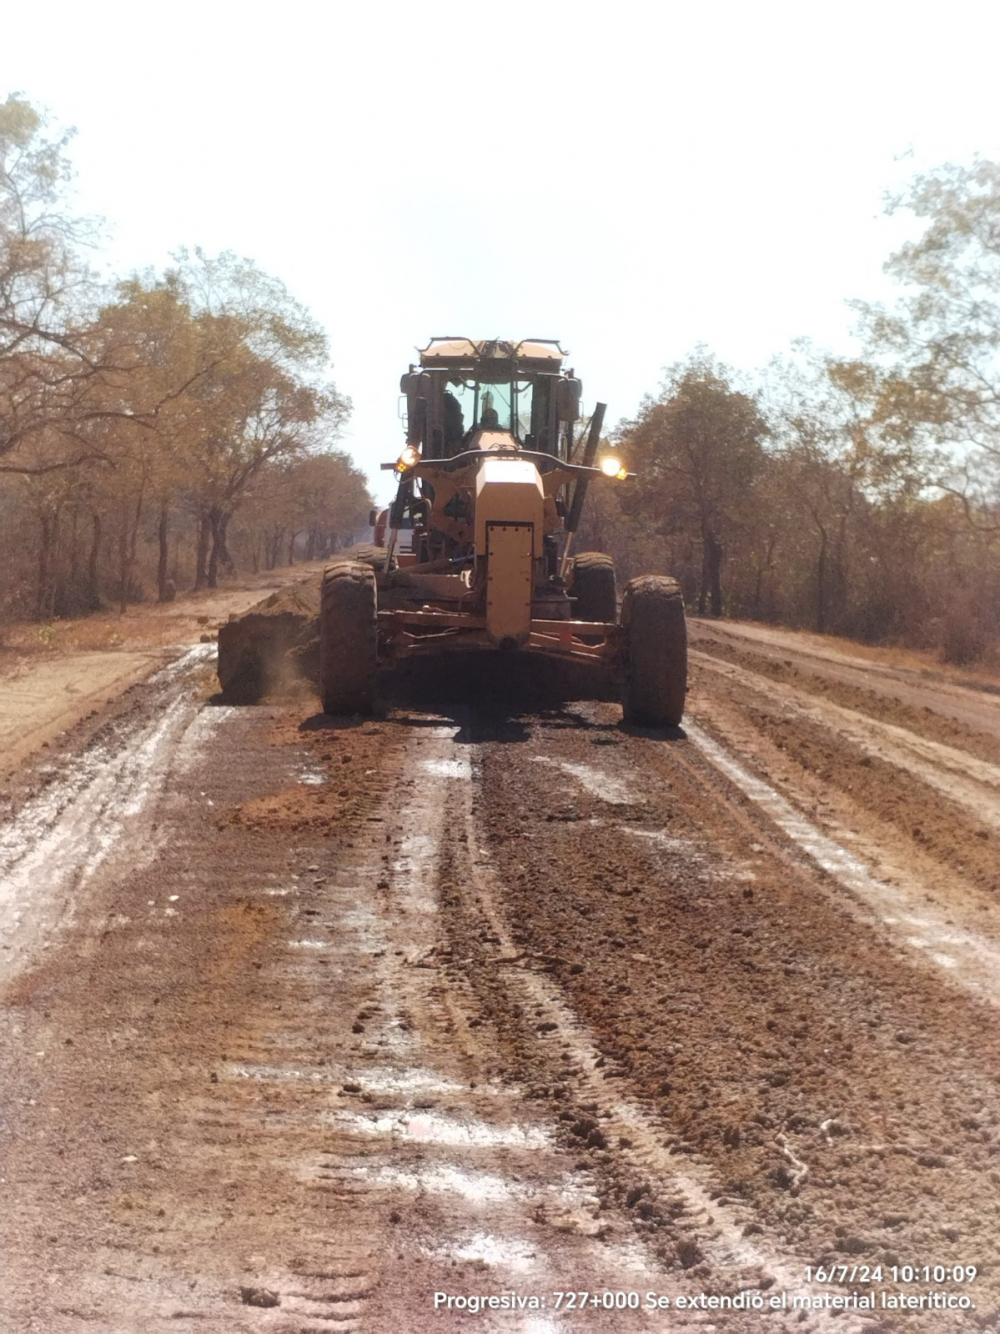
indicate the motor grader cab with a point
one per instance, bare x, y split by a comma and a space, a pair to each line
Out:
491, 485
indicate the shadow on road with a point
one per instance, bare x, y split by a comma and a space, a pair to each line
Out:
653, 733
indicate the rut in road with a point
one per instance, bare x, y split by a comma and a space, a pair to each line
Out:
904, 823
92, 804
834, 1087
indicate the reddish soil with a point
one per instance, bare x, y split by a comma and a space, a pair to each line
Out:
53, 676
304, 1023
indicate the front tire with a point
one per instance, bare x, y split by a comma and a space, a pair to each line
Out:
348, 638
593, 586
656, 681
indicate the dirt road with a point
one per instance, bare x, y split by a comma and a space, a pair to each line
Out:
53, 677
316, 1027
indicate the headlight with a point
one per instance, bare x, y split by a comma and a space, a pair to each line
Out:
409, 458
611, 467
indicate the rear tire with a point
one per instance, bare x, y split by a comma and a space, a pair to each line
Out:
656, 682
594, 587
348, 638
369, 554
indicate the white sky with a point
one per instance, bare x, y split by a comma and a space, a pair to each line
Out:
631, 178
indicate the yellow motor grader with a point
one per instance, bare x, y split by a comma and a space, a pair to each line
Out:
491, 490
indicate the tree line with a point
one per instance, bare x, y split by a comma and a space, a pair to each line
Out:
859, 497
163, 429
157, 430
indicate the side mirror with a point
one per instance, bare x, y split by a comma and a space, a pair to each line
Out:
372, 516
568, 400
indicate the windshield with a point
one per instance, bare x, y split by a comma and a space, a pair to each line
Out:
492, 407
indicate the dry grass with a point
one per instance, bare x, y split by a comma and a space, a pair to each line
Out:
148, 625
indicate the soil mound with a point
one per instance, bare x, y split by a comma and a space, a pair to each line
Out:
273, 644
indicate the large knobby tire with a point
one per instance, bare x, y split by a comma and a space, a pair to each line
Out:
370, 554
656, 681
348, 638
593, 586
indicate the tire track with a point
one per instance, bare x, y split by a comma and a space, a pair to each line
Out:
961, 777
968, 958
723, 933
102, 803
711, 1232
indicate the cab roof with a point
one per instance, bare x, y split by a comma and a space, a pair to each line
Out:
531, 354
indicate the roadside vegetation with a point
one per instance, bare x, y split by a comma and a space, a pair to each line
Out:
853, 497
164, 430
157, 431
